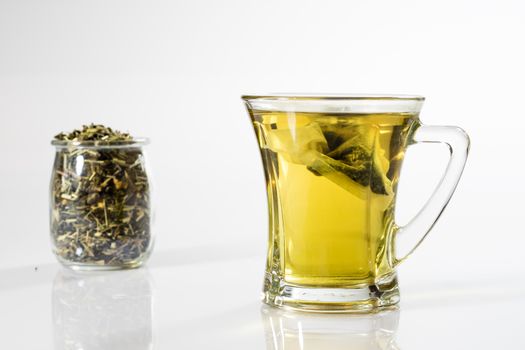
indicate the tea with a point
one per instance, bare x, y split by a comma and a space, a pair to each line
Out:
100, 199
331, 180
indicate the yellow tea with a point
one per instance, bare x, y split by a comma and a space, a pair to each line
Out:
331, 180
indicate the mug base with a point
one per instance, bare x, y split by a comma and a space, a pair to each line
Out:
370, 298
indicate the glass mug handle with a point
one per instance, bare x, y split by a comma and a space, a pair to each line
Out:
458, 143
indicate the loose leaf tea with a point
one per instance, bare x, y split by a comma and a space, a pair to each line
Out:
100, 198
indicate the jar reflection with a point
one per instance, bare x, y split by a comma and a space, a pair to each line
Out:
288, 330
102, 310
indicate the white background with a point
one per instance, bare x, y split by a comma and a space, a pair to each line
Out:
174, 70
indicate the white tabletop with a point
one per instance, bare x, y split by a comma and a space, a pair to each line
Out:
174, 71
201, 298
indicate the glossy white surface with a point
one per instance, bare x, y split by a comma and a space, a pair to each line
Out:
207, 297
174, 71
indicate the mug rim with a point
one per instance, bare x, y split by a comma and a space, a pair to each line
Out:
335, 103
330, 96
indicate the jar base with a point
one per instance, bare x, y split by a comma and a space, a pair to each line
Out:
94, 267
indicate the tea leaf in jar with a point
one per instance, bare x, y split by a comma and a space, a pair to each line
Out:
100, 204
94, 132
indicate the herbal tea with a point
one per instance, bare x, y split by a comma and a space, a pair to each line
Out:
331, 180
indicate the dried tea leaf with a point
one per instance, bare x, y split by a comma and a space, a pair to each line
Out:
100, 199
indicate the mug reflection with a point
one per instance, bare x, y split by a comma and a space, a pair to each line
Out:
102, 310
288, 330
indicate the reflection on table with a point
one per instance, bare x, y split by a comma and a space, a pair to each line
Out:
102, 310
288, 330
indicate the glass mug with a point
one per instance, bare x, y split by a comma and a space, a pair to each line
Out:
332, 166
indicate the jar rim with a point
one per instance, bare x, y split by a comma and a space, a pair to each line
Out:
100, 144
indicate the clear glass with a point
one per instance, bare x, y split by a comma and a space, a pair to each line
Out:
100, 204
332, 166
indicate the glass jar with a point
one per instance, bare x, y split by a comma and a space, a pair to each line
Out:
100, 210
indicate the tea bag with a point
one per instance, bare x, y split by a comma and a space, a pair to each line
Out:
349, 156
359, 155
295, 145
